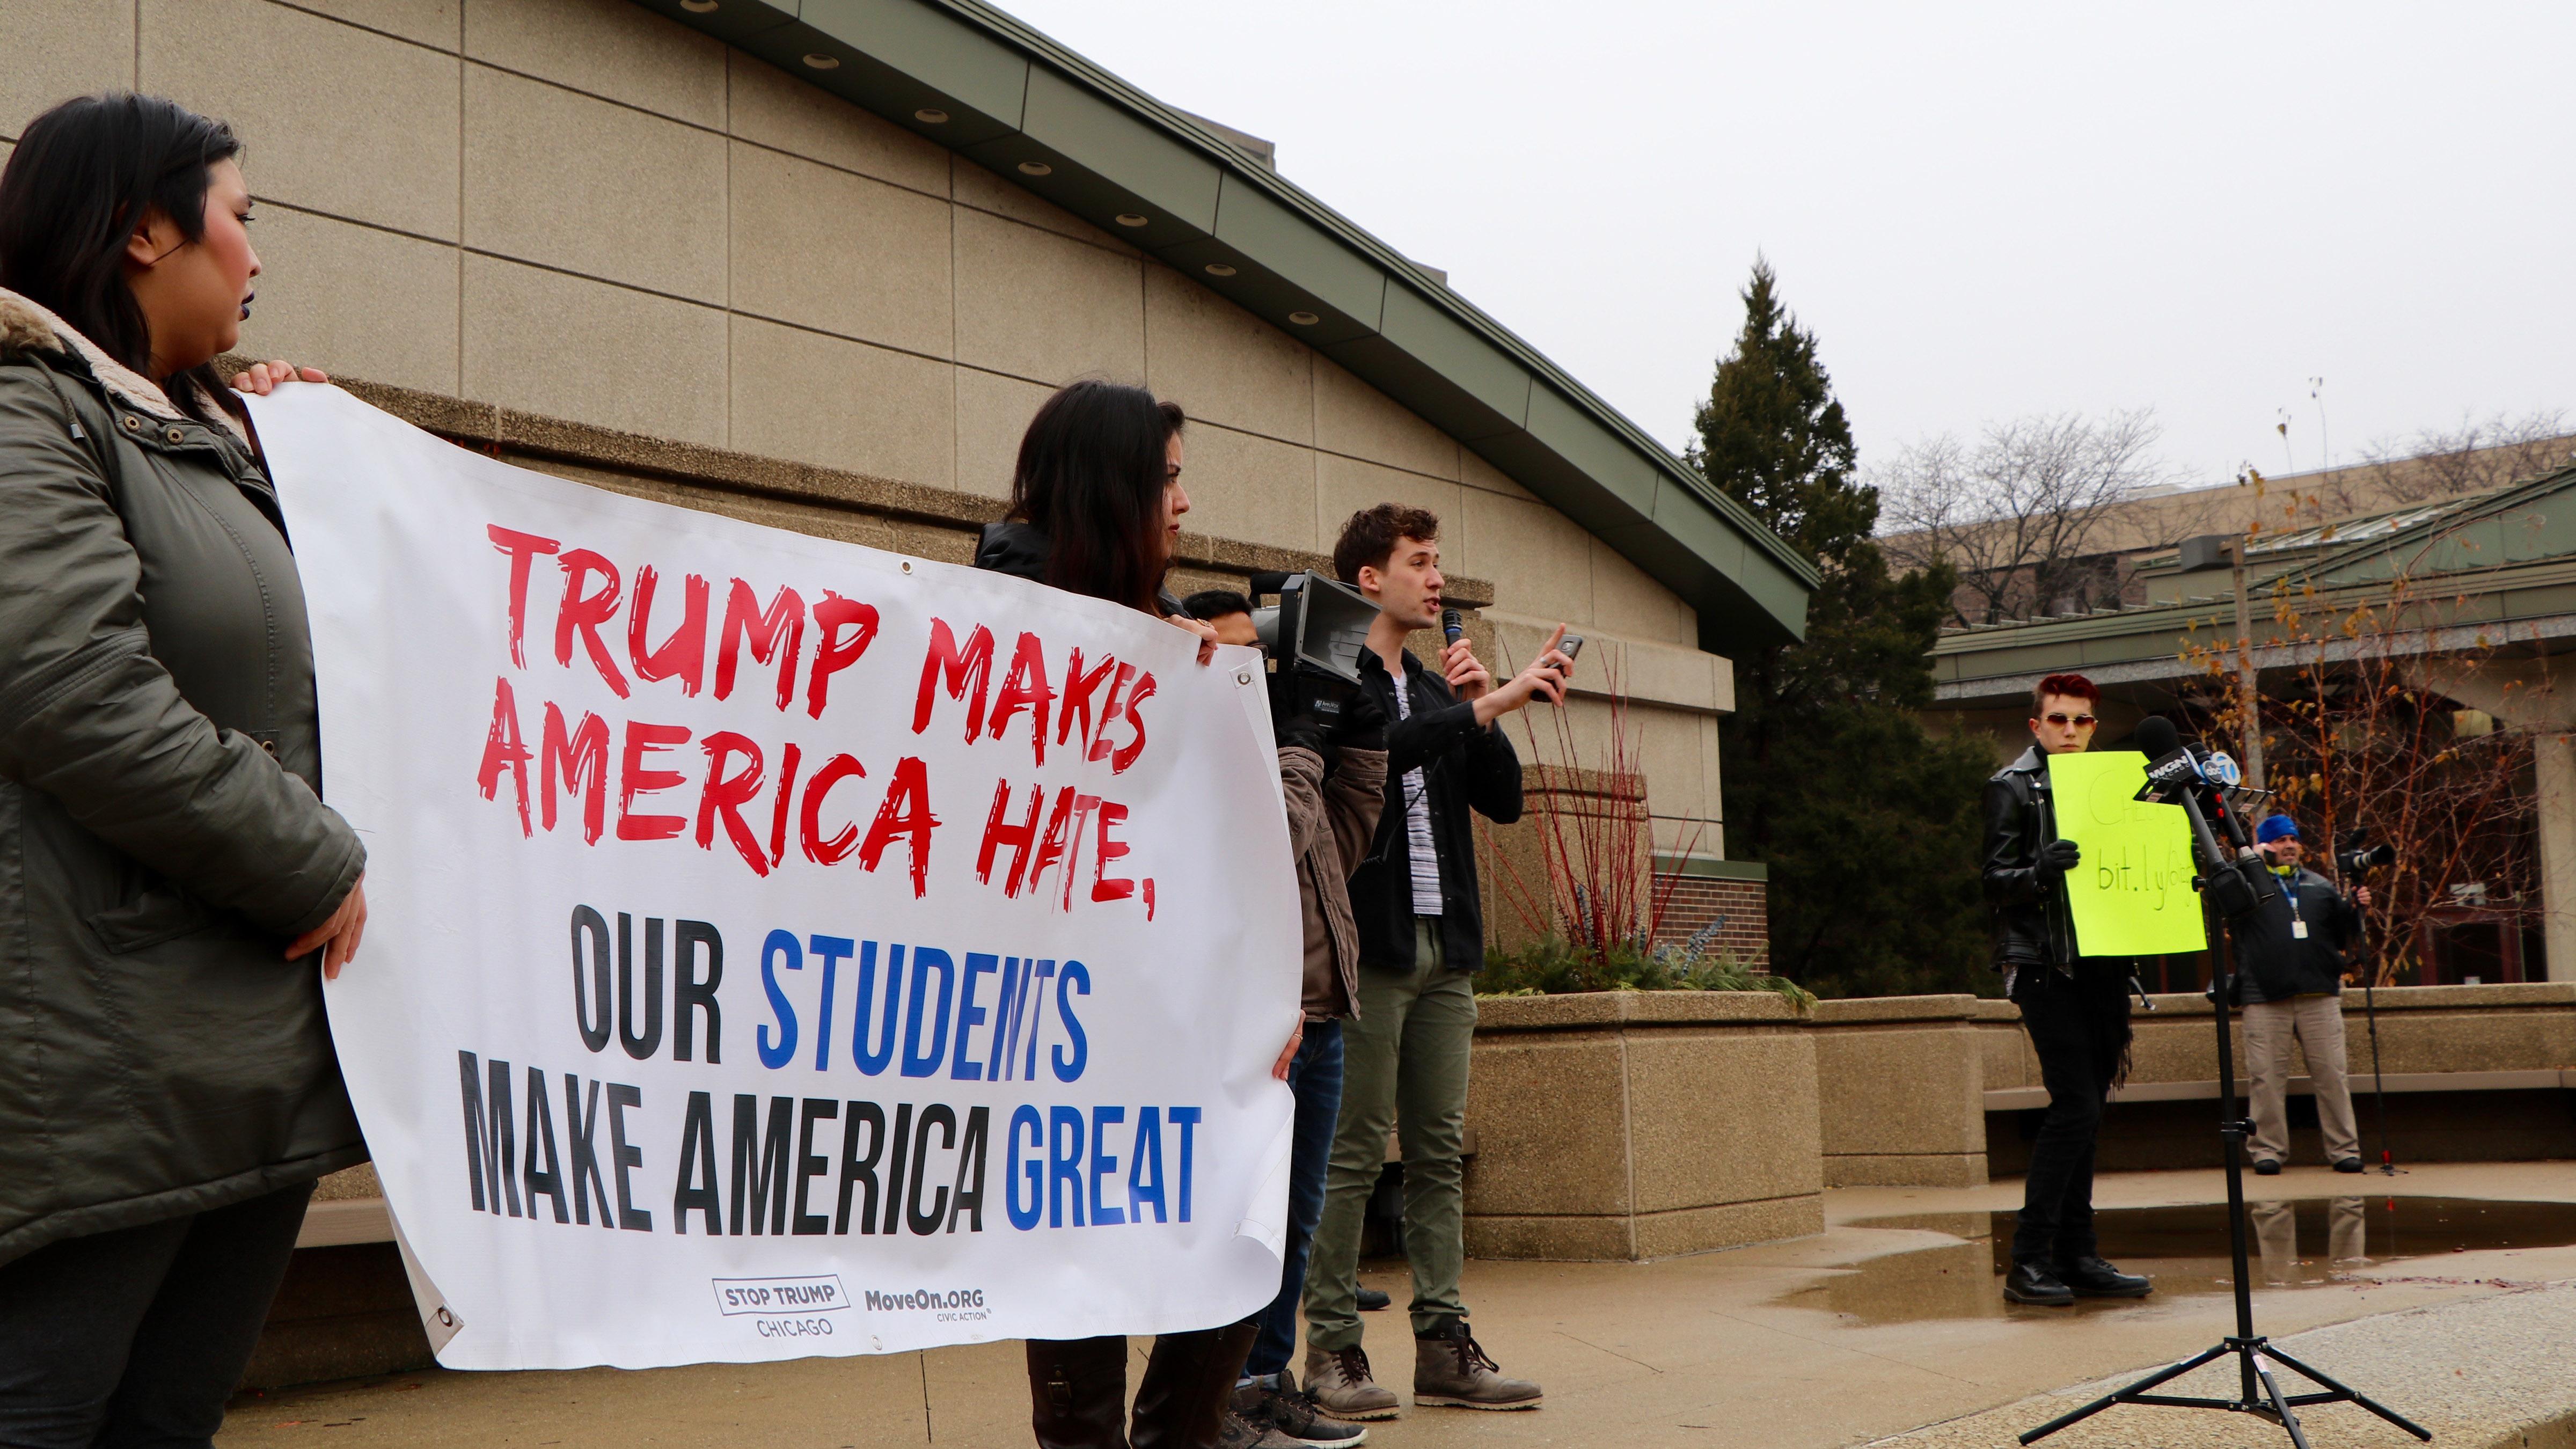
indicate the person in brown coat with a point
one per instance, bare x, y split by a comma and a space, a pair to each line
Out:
1335, 787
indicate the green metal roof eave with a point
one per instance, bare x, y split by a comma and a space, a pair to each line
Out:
1378, 315
2509, 599
2326, 565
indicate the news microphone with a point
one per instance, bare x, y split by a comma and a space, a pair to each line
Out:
1453, 625
2177, 776
2158, 737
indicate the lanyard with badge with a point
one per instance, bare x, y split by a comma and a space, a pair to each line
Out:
2298, 923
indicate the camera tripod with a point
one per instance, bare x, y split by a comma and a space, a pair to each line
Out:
2258, 1392
2378, 1077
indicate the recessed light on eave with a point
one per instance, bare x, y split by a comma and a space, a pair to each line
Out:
1036, 168
697, 7
1219, 269
1129, 218
931, 116
1304, 319
819, 61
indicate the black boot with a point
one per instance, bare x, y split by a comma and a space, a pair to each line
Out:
2094, 1278
1188, 1386
2031, 1283
1078, 1392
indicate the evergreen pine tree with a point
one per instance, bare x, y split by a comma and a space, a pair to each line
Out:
1867, 820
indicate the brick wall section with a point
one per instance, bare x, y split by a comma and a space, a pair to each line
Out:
1744, 906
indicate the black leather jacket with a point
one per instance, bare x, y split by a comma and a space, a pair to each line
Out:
2030, 920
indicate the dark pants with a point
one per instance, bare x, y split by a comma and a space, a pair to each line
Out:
136, 1337
2079, 1028
1316, 1078
1078, 1390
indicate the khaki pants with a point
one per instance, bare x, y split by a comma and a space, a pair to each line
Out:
2276, 1234
1404, 1065
2316, 1023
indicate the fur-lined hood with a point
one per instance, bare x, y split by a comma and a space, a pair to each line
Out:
27, 329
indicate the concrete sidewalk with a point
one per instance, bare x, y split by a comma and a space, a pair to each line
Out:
2488, 1374
1861, 1333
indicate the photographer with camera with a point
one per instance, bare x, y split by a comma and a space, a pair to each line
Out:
2076, 1008
2291, 959
1334, 782
1421, 937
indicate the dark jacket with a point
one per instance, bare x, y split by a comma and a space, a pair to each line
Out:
161, 834
2273, 964
1463, 766
2030, 922
1020, 550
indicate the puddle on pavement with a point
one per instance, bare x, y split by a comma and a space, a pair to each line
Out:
2293, 1243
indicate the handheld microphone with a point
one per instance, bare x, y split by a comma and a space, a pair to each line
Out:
1453, 625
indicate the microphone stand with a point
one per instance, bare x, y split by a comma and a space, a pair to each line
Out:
2257, 1391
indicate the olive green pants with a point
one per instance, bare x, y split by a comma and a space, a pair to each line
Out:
1404, 1065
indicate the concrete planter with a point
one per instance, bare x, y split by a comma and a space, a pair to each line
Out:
1632, 1125
1902, 1091
2474, 1073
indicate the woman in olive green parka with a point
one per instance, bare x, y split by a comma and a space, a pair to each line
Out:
170, 879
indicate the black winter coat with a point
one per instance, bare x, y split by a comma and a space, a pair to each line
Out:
2030, 921
1464, 767
2273, 964
161, 838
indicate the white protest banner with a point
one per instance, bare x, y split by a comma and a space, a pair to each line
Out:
780, 947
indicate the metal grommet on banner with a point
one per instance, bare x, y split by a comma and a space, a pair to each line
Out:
907, 566
1243, 676
445, 1318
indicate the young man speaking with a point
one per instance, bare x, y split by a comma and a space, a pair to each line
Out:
2076, 1008
1421, 940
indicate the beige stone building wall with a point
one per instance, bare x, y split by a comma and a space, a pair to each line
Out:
578, 210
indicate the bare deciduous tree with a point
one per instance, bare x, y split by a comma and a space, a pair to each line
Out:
2355, 740
2478, 454
2016, 512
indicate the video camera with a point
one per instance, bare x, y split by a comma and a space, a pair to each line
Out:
2351, 858
1314, 636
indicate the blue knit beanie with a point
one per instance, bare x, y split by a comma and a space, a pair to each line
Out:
2274, 827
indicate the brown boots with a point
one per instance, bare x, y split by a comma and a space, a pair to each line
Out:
1340, 1383
1078, 1390
1450, 1370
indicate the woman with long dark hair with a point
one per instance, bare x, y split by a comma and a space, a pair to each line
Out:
169, 876
1096, 506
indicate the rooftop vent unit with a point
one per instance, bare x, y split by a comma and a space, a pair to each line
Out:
2207, 551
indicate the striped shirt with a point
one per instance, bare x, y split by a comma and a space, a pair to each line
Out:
1417, 818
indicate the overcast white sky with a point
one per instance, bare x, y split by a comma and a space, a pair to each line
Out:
1982, 210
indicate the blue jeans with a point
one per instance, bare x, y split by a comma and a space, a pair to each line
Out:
1316, 1077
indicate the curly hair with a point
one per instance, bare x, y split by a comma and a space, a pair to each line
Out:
1369, 537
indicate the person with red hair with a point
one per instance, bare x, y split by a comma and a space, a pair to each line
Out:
2076, 1008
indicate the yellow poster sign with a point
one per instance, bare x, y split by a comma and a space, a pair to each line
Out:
2131, 893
